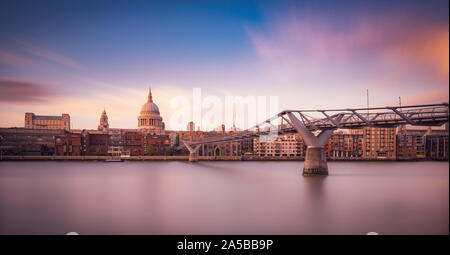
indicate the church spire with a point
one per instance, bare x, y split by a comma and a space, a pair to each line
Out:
150, 95
103, 121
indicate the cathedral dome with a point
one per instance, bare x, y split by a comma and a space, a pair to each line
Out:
150, 108
149, 118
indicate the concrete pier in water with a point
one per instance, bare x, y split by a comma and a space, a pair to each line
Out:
315, 161
193, 152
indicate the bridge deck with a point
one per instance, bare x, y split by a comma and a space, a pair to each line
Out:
417, 115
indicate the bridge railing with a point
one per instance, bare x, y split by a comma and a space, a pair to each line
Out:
421, 115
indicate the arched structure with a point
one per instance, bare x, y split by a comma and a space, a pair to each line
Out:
149, 119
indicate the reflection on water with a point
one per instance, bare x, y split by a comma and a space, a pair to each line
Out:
223, 198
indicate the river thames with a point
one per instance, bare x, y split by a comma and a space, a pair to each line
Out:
176, 197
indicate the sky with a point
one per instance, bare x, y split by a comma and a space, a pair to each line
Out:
80, 57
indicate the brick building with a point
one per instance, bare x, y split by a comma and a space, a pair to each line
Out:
379, 143
155, 144
342, 146
82, 142
28, 142
142, 143
132, 143
69, 145
410, 145
47, 122
96, 143
288, 145
437, 146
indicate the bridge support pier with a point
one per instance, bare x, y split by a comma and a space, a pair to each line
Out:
193, 157
315, 159
193, 152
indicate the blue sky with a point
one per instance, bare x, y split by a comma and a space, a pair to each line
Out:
80, 56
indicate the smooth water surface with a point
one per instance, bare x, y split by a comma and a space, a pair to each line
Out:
223, 198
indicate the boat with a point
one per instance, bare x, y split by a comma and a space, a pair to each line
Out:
113, 160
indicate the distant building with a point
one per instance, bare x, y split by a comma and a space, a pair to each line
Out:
82, 142
288, 145
191, 126
149, 119
155, 144
144, 144
104, 125
47, 122
410, 144
69, 145
231, 148
379, 143
437, 146
115, 142
355, 131
96, 143
132, 143
191, 136
28, 142
174, 139
220, 128
345, 146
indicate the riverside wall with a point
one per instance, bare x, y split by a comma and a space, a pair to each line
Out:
177, 158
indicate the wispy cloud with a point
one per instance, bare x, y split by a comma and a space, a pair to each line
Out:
436, 96
49, 55
13, 59
110, 87
26, 54
17, 90
311, 46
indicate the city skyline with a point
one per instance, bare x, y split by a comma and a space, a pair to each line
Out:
224, 117
81, 57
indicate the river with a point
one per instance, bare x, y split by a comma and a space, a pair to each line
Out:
143, 197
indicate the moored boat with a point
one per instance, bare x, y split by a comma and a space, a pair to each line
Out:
113, 160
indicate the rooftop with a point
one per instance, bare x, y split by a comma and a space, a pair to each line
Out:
43, 117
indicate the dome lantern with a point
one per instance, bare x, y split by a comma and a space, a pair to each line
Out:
150, 99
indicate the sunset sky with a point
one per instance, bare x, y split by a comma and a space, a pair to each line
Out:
79, 57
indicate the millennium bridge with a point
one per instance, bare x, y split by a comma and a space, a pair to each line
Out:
317, 126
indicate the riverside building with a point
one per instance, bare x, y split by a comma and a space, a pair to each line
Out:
33, 121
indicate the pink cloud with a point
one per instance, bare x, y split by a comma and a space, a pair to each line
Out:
436, 96
12, 59
310, 45
15, 90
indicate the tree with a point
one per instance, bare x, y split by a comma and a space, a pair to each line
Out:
170, 150
100, 153
150, 150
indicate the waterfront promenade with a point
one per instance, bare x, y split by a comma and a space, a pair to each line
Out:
184, 158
